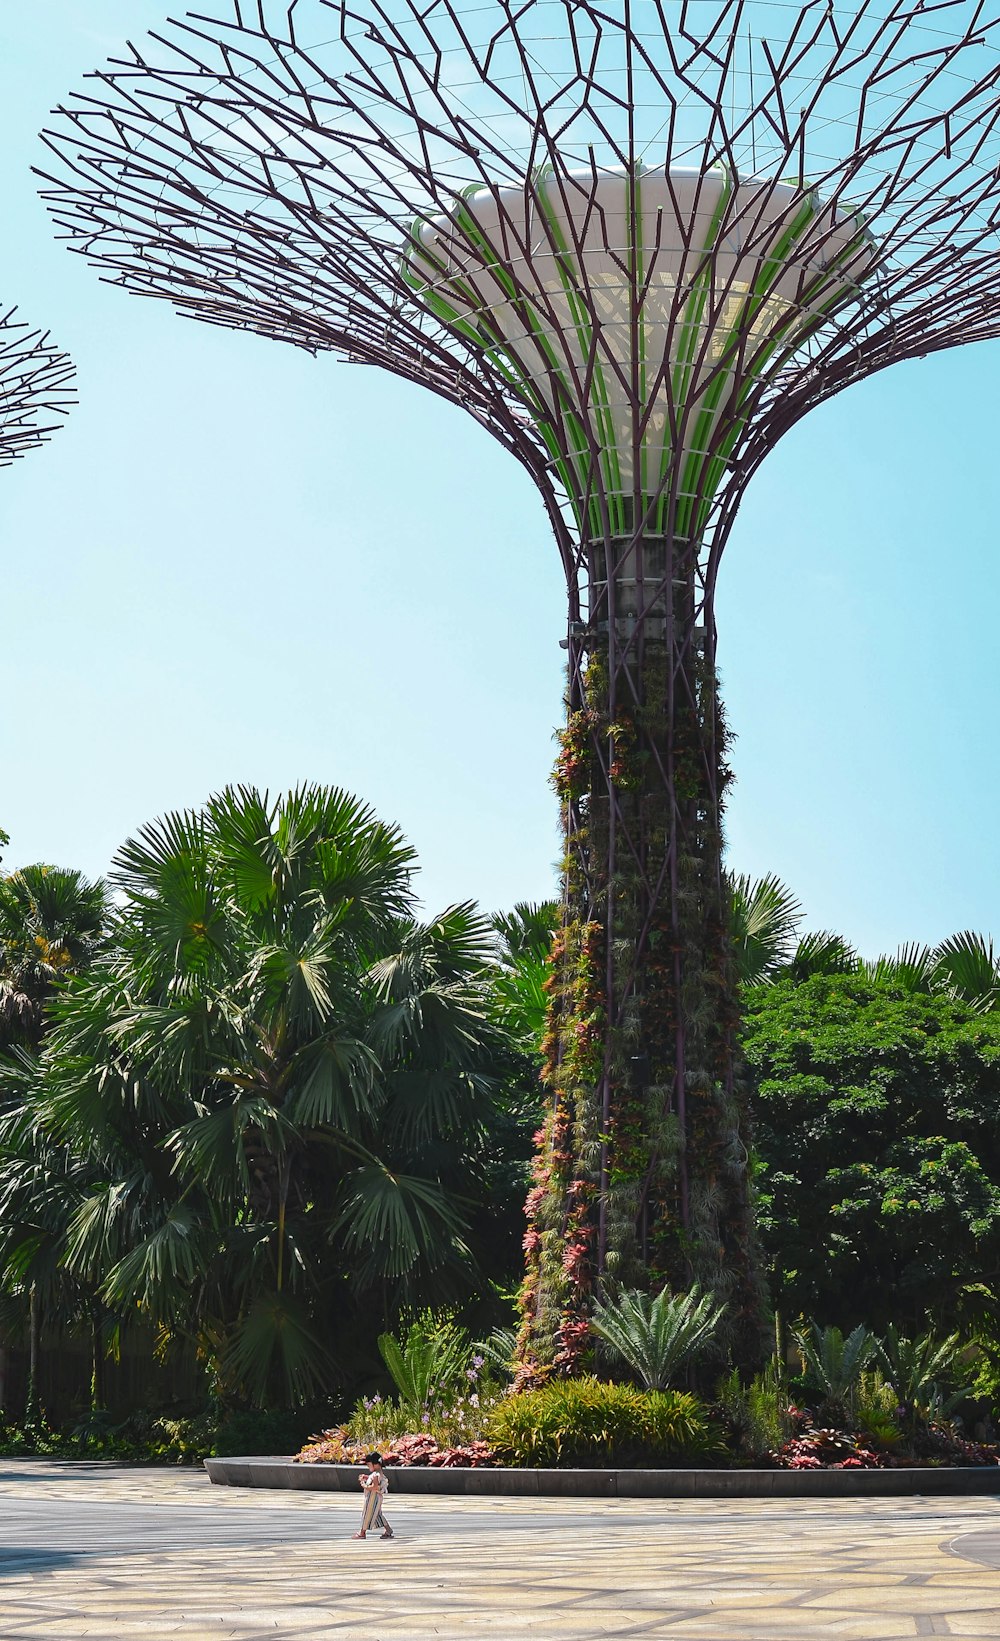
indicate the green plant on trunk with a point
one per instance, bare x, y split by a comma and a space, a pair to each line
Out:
640, 1167
656, 1337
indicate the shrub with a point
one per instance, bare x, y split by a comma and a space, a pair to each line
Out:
428, 1364
757, 1416
253, 1431
876, 1410
942, 1444
588, 1422
456, 1420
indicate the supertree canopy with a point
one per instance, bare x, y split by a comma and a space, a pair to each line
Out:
637, 243
35, 387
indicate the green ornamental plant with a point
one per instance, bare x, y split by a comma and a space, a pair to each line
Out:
586, 1421
428, 1365
756, 1413
497, 1351
920, 1371
834, 1365
657, 1336
876, 1410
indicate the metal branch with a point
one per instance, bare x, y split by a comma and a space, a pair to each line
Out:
36, 386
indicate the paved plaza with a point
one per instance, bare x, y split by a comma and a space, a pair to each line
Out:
104, 1551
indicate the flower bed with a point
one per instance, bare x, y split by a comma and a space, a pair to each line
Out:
811, 1449
337, 1447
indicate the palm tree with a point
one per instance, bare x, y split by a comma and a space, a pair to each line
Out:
820, 952
52, 925
765, 916
523, 944
282, 1079
41, 1183
966, 967
913, 969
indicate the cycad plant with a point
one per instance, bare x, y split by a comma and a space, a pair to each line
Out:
497, 1351
657, 1336
834, 1365
921, 1371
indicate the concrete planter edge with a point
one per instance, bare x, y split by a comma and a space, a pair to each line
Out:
281, 1473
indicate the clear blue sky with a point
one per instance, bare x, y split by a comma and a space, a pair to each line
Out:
236, 563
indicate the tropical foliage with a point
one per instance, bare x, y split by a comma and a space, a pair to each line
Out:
52, 925
587, 1421
834, 1365
269, 1110
656, 1336
250, 1101
877, 1133
766, 919
428, 1365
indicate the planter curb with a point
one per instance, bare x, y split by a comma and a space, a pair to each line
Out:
281, 1473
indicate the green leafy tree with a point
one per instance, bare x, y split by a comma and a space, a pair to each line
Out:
877, 1132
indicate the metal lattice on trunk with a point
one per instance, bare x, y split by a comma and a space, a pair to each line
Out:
636, 243
35, 387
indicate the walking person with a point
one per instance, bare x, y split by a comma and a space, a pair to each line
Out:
376, 1487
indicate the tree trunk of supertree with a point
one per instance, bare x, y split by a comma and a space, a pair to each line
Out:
640, 1176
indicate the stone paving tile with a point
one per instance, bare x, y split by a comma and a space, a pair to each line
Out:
111, 1554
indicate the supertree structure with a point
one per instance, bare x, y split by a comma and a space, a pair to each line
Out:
35, 387
636, 242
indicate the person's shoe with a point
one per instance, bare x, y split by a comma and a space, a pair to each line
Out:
359, 1535
387, 1534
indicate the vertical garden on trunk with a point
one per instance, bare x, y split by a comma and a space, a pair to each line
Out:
640, 1168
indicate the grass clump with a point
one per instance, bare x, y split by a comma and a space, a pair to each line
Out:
589, 1422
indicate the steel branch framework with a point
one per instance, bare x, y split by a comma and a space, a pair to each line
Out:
637, 242
35, 387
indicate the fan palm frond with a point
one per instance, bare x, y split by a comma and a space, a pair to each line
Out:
764, 917
966, 967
